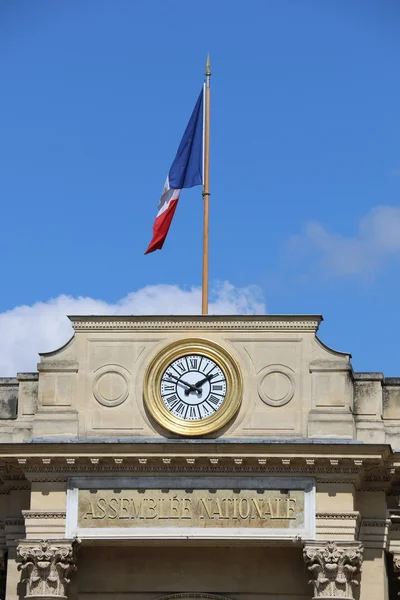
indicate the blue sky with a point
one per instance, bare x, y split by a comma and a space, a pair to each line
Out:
305, 161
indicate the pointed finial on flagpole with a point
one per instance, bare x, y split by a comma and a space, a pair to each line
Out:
208, 66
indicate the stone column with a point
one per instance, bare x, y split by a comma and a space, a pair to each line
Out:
3, 572
334, 568
46, 567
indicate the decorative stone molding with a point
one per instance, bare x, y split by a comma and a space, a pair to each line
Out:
341, 516
111, 385
334, 569
44, 524
14, 530
267, 323
374, 533
276, 385
319, 464
44, 514
14, 521
46, 567
186, 595
337, 526
375, 522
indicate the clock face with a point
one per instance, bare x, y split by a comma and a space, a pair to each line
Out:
193, 387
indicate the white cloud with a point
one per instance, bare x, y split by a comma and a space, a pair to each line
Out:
377, 241
27, 330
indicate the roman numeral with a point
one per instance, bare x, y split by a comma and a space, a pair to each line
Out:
171, 399
192, 412
203, 409
181, 367
193, 363
169, 387
215, 388
213, 399
180, 408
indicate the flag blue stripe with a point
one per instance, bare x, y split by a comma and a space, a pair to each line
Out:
187, 169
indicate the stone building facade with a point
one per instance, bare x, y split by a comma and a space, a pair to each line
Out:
265, 469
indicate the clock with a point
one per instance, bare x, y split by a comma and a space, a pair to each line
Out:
193, 387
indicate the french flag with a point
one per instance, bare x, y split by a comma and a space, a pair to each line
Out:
186, 172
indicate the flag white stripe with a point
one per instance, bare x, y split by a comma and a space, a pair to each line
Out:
166, 197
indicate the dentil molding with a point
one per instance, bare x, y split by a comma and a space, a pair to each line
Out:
207, 323
44, 514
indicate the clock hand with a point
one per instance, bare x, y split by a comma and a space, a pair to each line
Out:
191, 387
207, 378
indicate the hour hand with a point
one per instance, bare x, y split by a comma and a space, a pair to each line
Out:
206, 378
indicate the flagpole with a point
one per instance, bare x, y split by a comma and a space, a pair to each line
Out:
206, 187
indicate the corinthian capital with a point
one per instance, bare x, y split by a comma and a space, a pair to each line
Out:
334, 569
395, 574
46, 567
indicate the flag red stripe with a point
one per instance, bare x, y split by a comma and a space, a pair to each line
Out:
161, 227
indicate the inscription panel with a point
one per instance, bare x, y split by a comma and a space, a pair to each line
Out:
191, 508
202, 507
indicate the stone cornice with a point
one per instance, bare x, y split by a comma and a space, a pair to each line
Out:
318, 462
28, 376
199, 323
376, 523
333, 450
362, 465
8, 382
347, 460
59, 468
67, 366
11, 521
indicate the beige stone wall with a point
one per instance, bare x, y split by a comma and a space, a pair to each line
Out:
146, 573
294, 386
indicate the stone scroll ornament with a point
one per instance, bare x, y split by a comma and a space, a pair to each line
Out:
46, 568
334, 569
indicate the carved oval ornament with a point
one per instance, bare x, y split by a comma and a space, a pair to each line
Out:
276, 386
210, 358
190, 595
111, 386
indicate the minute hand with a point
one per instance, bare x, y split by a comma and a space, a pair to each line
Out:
206, 378
189, 385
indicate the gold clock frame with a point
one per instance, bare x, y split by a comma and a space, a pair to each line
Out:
152, 387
